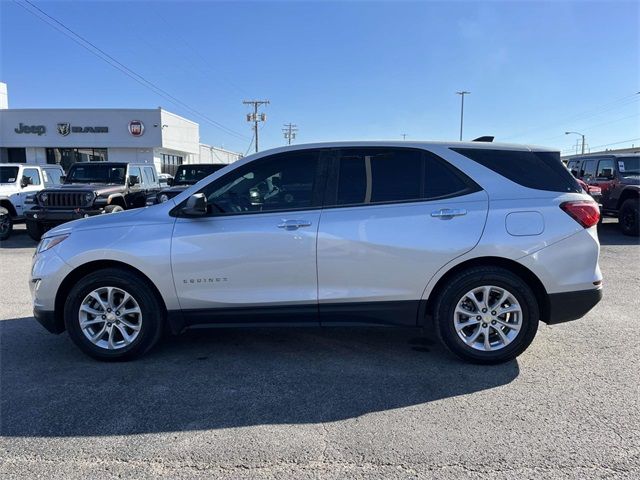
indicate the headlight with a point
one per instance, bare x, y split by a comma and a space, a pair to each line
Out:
88, 197
50, 242
44, 197
163, 198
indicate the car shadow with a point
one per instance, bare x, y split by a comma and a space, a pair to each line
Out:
609, 234
19, 239
213, 379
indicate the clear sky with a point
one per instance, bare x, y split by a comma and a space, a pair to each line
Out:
344, 70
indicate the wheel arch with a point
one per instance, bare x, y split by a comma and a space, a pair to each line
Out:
75, 275
514, 267
6, 203
626, 194
117, 199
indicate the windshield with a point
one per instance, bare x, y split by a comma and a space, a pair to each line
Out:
98, 173
629, 166
190, 174
8, 174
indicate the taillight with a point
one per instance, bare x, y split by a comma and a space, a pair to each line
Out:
585, 212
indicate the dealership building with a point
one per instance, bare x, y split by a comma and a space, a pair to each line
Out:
66, 136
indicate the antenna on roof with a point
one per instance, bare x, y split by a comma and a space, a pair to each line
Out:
486, 138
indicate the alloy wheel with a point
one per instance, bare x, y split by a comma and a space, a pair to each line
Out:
488, 318
110, 318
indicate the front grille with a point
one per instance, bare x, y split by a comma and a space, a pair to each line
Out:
66, 199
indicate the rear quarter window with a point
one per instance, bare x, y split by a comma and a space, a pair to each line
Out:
537, 170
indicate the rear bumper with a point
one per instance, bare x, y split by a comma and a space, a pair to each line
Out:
567, 306
48, 320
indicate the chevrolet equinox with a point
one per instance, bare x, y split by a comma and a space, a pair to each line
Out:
478, 241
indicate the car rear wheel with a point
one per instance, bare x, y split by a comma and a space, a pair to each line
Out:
629, 218
113, 314
486, 315
34, 229
6, 224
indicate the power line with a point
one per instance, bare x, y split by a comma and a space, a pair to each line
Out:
616, 143
290, 130
255, 117
104, 56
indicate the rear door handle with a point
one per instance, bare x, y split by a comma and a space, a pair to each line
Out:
294, 224
448, 212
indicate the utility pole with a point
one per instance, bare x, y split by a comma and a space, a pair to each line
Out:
404, 136
254, 117
462, 94
290, 130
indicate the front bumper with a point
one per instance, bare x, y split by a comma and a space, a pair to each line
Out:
567, 306
56, 217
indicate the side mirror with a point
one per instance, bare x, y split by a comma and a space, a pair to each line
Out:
196, 206
63, 178
25, 181
134, 180
170, 182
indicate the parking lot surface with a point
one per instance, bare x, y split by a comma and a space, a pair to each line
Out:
333, 403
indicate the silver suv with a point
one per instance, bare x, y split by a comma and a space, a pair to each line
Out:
478, 241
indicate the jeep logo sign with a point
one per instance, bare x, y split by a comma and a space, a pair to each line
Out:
37, 129
136, 128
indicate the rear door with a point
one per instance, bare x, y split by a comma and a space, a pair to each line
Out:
392, 218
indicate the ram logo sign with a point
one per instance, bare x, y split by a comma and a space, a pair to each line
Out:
64, 129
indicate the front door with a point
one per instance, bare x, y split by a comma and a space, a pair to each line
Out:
398, 216
253, 257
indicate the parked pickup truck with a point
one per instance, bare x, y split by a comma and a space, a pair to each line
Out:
92, 188
19, 181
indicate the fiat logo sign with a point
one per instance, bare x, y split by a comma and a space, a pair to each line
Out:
136, 128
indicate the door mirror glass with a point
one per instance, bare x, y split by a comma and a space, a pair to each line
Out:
196, 206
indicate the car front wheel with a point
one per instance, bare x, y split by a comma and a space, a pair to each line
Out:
486, 315
34, 229
6, 224
113, 314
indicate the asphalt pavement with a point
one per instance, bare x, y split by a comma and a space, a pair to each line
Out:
332, 403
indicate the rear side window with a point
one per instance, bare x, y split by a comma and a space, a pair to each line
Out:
379, 175
54, 176
538, 170
149, 175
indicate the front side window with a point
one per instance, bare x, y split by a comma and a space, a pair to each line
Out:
605, 168
379, 175
33, 175
588, 169
190, 174
135, 172
281, 182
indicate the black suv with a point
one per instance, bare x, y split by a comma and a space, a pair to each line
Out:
618, 175
92, 188
186, 175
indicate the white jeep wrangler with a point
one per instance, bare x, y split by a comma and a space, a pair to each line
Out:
18, 181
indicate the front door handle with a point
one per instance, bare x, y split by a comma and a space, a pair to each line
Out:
294, 224
449, 213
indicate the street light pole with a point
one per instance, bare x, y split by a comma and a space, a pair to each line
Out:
577, 133
462, 94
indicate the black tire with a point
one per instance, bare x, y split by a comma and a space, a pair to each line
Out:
113, 209
629, 217
34, 229
152, 320
6, 224
466, 281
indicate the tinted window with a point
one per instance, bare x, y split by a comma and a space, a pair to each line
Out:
605, 168
588, 169
279, 182
190, 174
8, 174
395, 175
539, 170
33, 175
96, 173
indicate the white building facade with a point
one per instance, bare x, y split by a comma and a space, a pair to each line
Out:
66, 136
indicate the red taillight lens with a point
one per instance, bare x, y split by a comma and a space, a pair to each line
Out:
585, 212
